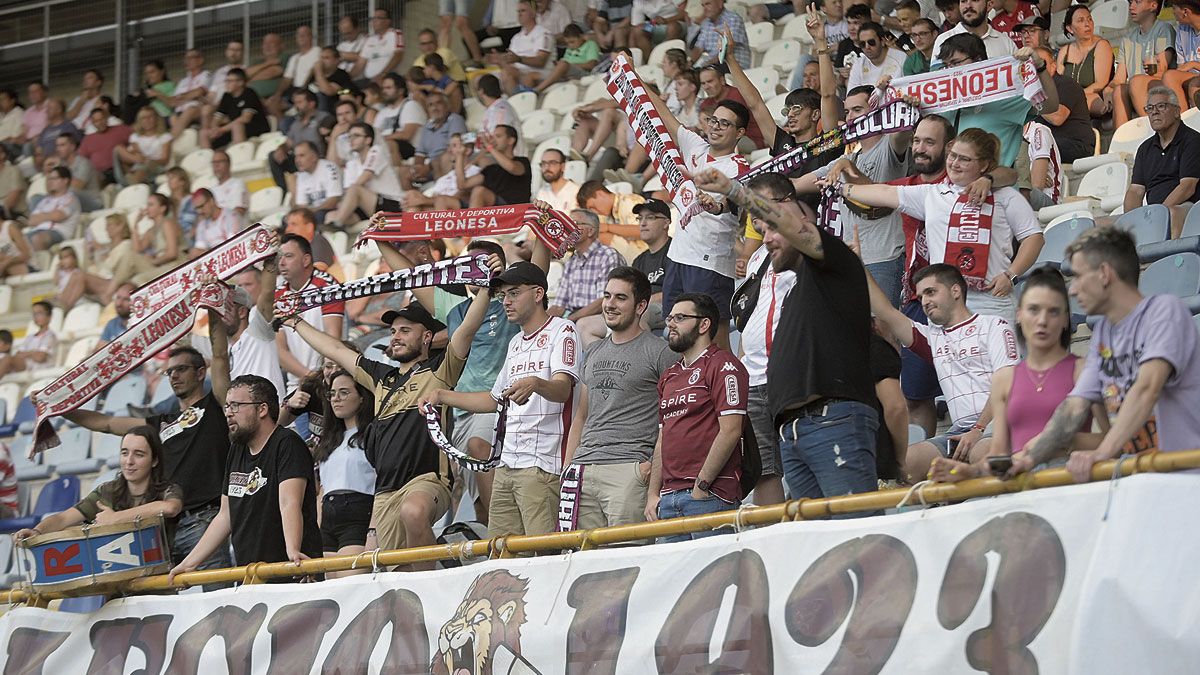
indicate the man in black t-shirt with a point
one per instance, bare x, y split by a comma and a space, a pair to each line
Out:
195, 443
240, 114
270, 500
507, 180
819, 384
654, 220
1071, 124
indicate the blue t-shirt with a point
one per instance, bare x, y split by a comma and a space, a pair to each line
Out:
113, 329
1006, 119
488, 349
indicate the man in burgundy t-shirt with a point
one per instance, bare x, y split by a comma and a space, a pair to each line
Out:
701, 412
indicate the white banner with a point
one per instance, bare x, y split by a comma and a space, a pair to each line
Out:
1084, 580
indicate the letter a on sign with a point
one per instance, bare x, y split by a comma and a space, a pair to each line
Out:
119, 551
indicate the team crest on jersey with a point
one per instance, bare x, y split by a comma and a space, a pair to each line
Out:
542, 340
694, 377
569, 351
971, 330
246, 484
966, 259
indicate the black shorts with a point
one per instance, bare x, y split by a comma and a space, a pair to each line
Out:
387, 204
680, 278
345, 517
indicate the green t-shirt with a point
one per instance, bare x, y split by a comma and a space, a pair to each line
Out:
1006, 119
588, 51
167, 88
915, 64
89, 506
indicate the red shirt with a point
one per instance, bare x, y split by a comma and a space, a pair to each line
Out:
1004, 22
319, 279
912, 227
98, 147
691, 401
708, 105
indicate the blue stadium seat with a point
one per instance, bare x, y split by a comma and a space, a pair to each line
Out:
74, 455
1059, 236
59, 494
1149, 253
1149, 224
124, 392
35, 469
107, 448
1191, 224
1178, 275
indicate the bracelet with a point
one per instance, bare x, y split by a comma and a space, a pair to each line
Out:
978, 428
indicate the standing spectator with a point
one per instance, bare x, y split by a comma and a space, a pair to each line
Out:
213, 224
1145, 52
347, 477
1184, 79
369, 177
100, 147
350, 42
612, 433
190, 92
848, 49
581, 291
34, 118
309, 125
119, 323
382, 49
974, 21
147, 152
878, 60
265, 76
240, 114
1166, 168
318, 182
400, 119
1088, 60
457, 14
819, 382
235, 57
924, 31
654, 219
536, 388
157, 90
430, 158
56, 216
1071, 124
1011, 15
528, 57
80, 108
35, 349
497, 109
1141, 363
249, 338
708, 40
231, 192
653, 21
85, 181
701, 417
298, 358
56, 125
557, 190
508, 180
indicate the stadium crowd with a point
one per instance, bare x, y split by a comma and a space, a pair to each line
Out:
765, 351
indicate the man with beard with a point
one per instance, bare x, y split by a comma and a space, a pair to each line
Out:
558, 191
269, 505
537, 389
400, 119
819, 383
974, 15
610, 440
250, 340
413, 478
119, 323
697, 466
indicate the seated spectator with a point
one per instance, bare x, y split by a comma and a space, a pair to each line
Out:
309, 125
230, 191
1144, 53
774, 11
527, 60
924, 32
1071, 124
878, 60
436, 78
70, 281
715, 20
234, 58
1045, 167
12, 129
265, 76
1025, 396
15, 251
317, 183
1088, 60
157, 92
585, 272
56, 125
36, 349
330, 82
581, 57
974, 21
34, 118
382, 49
614, 209
370, 180
213, 225
12, 187
298, 71
1141, 363
653, 21
139, 491
350, 42
1184, 79
81, 106
190, 92
557, 190
239, 115
180, 185
428, 44
430, 158
507, 180
347, 478
101, 145
130, 257
160, 244
56, 216
716, 91
119, 323
399, 120
445, 194
148, 151
654, 221
1166, 168
345, 113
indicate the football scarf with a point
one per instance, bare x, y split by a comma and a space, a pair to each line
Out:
970, 238
433, 423
971, 84
554, 228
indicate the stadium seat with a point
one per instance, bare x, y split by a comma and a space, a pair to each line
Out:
620, 187
1178, 275
635, 56
6, 293
760, 35
559, 141
576, 170
474, 113
59, 494
188, 141
654, 75
74, 455
37, 186
132, 197
28, 469
782, 56
127, 390
1121, 148
265, 201
1111, 17
523, 103
596, 91
107, 448
797, 30
1059, 235
1191, 225
654, 184
10, 393
561, 97
765, 80
660, 51
1101, 190
267, 144
197, 163
1149, 224
83, 317
538, 126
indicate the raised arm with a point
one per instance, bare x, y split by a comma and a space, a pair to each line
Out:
325, 344
460, 342
831, 106
668, 117
798, 231
397, 260
218, 335
107, 424
754, 101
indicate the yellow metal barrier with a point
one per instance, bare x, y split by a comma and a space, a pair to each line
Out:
502, 547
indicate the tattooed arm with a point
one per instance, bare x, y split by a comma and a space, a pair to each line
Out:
1056, 438
793, 226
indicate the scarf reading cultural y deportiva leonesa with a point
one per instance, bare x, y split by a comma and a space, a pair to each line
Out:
139, 342
970, 239
971, 84
465, 269
627, 89
233, 255
554, 228
433, 423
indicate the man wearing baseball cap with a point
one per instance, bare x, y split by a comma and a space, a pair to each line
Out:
1033, 32
536, 386
413, 478
654, 223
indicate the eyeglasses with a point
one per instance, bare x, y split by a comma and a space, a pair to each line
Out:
357, 135
651, 216
550, 162
956, 62
339, 394
680, 318
1152, 108
871, 43
511, 294
789, 110
955, 157
234, 406
174, 370
921, 33
715, 121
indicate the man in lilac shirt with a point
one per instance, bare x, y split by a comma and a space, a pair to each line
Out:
1143, 363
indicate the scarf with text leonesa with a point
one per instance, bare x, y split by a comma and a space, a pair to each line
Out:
554, 228
971, 84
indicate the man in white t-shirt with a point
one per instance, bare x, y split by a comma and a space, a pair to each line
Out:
298, 70
381, 50
975, 20
370, 178
497, 110
213, 224
252, 348
191, 91
878, 60
56, 216
36, 348
536, 386
231, 192
529, 51
400, 119
235, 57
318, 181
350, 42
1045, 166
704, 253
966, 349
297, 273
557, 190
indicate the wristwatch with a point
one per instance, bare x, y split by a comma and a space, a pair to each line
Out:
702, 485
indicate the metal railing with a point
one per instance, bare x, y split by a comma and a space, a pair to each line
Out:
582, 540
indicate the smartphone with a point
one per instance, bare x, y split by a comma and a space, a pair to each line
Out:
999, 465
951, 445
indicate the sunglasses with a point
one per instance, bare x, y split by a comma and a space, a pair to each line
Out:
871, 43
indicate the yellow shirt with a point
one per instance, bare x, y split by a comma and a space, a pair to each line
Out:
453, 66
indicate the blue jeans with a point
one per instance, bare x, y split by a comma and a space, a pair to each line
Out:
887, 274
680, 503
829, 450
187, 534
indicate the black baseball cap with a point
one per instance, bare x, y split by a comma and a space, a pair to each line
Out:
415, 313
1036, 22
521, 273
653, 206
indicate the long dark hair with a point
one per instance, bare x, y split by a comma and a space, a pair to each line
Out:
334, 430
1047, 277
122, 498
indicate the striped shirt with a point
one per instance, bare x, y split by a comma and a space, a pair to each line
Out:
1042, 146
965, 356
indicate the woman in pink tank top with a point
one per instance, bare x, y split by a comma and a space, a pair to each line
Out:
1025, 396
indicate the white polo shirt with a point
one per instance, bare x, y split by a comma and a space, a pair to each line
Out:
314, 188
378, 50
232, 194
997, 44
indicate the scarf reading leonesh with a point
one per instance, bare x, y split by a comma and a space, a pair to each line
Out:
465, 269
138, 343
971, 84
433, 423
626, 88
554, 228
970, 238
234, 255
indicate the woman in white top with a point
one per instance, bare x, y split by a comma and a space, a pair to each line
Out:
347, 478
147, 152
14, 250
977, 239
674, 62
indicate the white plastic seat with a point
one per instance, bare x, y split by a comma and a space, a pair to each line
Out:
240, 152
796, 30
6, 293
653, 74
1125, 142
197, 163
660, 50
124, 392
576, 170
265, 201
1191, 117
782, 56
560, 96
560, 141
596, 91
765, 80
10, 393
1103, 187
538, 126
1111, 17
474, 113
620, 187
635, 56
1191, 224
132, 197
188, 141
760, 35
267, 145
82, 317
37, 186
523, 103
82, 348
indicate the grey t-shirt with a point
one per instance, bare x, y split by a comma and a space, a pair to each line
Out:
881, 239
622, 389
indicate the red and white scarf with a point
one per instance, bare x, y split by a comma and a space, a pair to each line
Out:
234, 255
554, 228
970, 239
970, 84
140, 342
651, 133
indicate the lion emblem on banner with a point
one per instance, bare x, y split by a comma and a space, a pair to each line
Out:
484, 635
